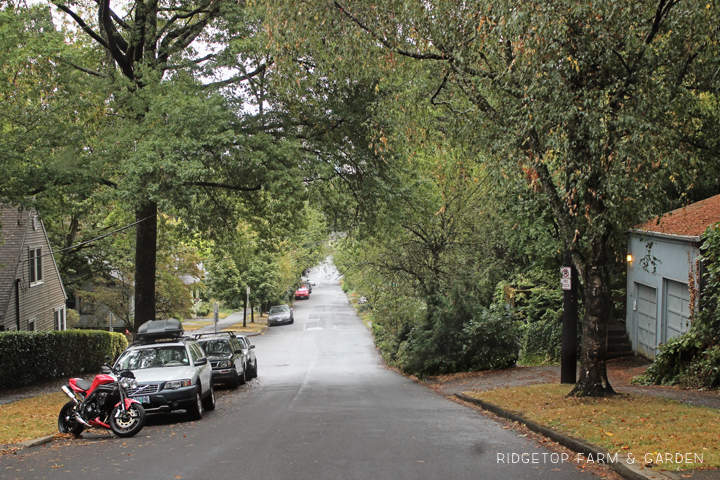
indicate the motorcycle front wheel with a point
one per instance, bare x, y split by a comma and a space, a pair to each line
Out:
67, 422
129, 423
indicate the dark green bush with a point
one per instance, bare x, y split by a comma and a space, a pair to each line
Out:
542, 326
32, 357
458, 335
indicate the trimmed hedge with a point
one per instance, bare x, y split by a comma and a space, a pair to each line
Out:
27, 358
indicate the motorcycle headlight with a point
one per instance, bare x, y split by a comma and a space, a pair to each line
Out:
224, 364
174, 384
128, 383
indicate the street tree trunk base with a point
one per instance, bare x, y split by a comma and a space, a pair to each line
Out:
593, 383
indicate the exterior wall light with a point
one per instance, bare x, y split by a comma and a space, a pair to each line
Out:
629, 258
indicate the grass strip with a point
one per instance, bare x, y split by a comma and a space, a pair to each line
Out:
252, 327
655, 430
30, 418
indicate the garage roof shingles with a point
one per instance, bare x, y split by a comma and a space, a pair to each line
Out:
690, 221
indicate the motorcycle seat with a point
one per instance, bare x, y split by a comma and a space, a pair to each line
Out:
83, 384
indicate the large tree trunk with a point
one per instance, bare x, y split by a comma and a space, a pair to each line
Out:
593, 380
145, 259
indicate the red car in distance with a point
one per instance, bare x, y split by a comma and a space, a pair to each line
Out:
302, 292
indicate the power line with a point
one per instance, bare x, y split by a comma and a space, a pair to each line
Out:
94, 239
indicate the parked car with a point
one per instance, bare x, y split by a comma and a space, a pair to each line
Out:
227, 356
312, 284
250, 357
172, 371
302, 292
280, 314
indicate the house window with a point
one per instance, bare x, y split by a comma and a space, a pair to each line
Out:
31, 325
35, 262
59, 318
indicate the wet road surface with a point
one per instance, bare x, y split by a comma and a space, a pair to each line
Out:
323, 407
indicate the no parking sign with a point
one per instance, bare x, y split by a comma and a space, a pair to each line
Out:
565, 278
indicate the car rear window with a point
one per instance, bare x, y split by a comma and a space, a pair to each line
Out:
215, 347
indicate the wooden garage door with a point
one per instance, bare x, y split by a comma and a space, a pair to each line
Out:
677, 309
646, 312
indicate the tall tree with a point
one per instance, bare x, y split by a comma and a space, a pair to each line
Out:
598, 104
180, 141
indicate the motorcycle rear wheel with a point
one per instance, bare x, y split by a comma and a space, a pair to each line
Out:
67, 422
129, 423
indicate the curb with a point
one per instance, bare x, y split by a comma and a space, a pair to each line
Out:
30, 443
631, 471
257, 334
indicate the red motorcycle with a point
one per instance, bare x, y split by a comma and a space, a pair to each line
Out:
103, 403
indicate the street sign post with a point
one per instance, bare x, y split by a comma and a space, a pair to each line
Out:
216, 315
568, 353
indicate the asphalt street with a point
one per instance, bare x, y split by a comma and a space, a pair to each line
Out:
323, 407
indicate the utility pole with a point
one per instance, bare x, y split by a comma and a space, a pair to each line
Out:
568, 354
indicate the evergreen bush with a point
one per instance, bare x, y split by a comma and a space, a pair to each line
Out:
33, 357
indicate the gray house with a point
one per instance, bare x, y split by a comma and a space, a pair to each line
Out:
663, 274
32, 296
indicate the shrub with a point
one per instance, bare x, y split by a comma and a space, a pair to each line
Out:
32, 357
459, 335
542, 327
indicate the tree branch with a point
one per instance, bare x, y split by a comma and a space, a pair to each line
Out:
405, 53
240, 78
81, 23
85, 70
223, 185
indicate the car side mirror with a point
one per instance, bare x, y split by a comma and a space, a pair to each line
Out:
201, 361
252, 346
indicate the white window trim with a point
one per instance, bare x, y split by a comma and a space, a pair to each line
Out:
62, 318
32, 322
41, 280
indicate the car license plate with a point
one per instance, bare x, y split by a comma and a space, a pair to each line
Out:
143, 399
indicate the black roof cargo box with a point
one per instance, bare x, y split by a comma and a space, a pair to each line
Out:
155, 329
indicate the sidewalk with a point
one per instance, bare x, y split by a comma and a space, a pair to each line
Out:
620, 372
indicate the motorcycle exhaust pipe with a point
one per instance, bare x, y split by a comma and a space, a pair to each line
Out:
69, 393
81, 420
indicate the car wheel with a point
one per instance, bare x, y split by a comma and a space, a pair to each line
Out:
209, 402
234, 382
196, 409
242, 378
254, 372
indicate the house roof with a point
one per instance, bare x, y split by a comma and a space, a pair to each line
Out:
690, 221
12, 236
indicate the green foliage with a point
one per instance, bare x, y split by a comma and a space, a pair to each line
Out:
592, 117
693, 359
457, 336
542, 327
32, 357
72, 317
